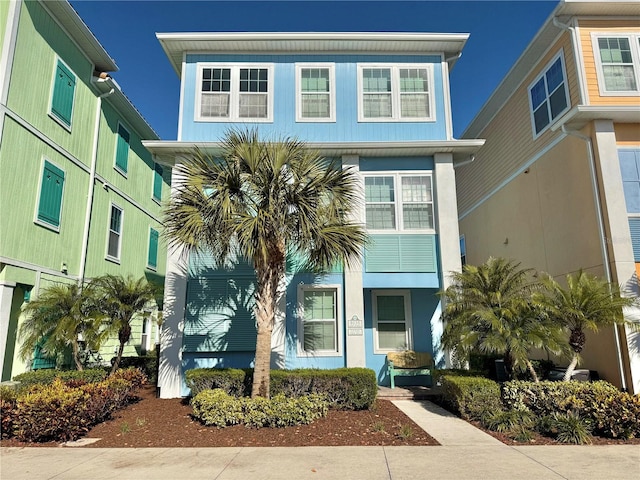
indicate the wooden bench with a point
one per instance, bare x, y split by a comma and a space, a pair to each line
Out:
409, 364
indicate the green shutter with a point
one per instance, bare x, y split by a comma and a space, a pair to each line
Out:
152, 261
157, 182
51, 194
122, 149
63, 89
401, 253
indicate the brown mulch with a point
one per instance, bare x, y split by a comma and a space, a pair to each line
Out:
154, 422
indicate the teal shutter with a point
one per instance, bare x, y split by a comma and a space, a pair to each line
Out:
51, 194
152, 261
401, 253
122, 149
63, 90
157, 182
634, 227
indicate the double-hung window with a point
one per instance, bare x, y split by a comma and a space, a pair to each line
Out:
392, 320
548, 95
399, 202
319, 320
241, 93
122, 149
50, 199
395, 93
114, 238
315, 93
64, 87
617, 63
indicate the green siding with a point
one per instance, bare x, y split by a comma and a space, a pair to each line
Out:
64, 87
122, 149
401, 253
4, 18
51, 194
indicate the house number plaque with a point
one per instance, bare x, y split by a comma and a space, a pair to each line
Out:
355, 326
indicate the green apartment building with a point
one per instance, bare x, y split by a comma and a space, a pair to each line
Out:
79, 194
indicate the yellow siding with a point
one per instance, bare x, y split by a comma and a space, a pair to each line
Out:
586, 28
510, 143
627, 134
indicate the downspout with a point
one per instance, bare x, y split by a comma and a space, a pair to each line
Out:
602, 233
92, 178
576, 55
464, 162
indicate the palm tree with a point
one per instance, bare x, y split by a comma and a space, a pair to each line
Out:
121, 299
260, 201
587, 303
58, 317
488, 309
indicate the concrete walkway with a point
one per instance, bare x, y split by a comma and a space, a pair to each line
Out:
465, 453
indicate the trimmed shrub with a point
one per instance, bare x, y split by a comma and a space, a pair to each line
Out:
147, 363
45, 377
8, 398
455, 372
618, 416
472, 397
230, 380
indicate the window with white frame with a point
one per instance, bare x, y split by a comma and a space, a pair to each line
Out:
315, 93
319, 324
395, 93
618, 63
392, 320
398, 202
548, 95
234, 93
115, 233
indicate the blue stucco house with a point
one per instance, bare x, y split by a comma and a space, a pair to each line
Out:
378, 102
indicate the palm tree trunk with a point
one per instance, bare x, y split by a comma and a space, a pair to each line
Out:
76, 355
570, 368
532, 371
116, 362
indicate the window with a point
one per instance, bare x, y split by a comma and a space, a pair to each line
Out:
115, 233
392, 320
235, 93
152, 257
618, 63
157, 182
395, 93
548, 95
315, 86
64, 86
463, 250
319, 325
411, 209
50, 199
122, 149
145, 339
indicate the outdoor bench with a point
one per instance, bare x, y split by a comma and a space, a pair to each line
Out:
409, 364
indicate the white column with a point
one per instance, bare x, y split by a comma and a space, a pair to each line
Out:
353, 292
6, 296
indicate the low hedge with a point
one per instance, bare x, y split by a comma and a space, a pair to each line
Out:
231, 380
471, 397
147, 363
218, 408
45, 377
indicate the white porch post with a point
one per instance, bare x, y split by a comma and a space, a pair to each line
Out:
6, 296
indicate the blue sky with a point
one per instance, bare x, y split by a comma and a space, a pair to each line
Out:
499, 32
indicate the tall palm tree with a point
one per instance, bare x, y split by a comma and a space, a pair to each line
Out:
58, 317
587, 303
121, 298
260, 201
488, 309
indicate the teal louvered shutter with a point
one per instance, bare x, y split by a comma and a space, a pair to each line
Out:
122, 149
157, 182
63, 90
51, 189
152, 260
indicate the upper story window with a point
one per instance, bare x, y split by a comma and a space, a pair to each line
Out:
395, 93
618, 63
64, 87
398, 202
114, 238
315, 93
548, 95
234, 93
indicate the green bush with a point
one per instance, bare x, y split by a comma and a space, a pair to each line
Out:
508, 421
472, 397
147, 363
8, 398
218, 408
231, 380
456, 372
45, 377
618, 416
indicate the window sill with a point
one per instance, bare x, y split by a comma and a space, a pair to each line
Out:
396, 120
112, 259
157, 200
48, 226
303, 354
233, 120
120, 171
315, 120
60, 122
152, 269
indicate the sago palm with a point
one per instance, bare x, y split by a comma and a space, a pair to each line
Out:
57, 317
260, 201
587, 303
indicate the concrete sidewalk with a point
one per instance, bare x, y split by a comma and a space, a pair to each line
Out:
465, 453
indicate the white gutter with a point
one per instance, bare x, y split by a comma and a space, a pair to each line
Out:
464, 162
602, 235
577, 57
92, 174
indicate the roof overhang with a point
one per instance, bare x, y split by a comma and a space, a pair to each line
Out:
172, 152
579, 116
176, 44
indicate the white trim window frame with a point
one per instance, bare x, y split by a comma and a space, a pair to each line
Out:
622, 61
401, 198
548, 95
401, 338
390, 88
114, 234
235, 90
335, 318
321, 81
